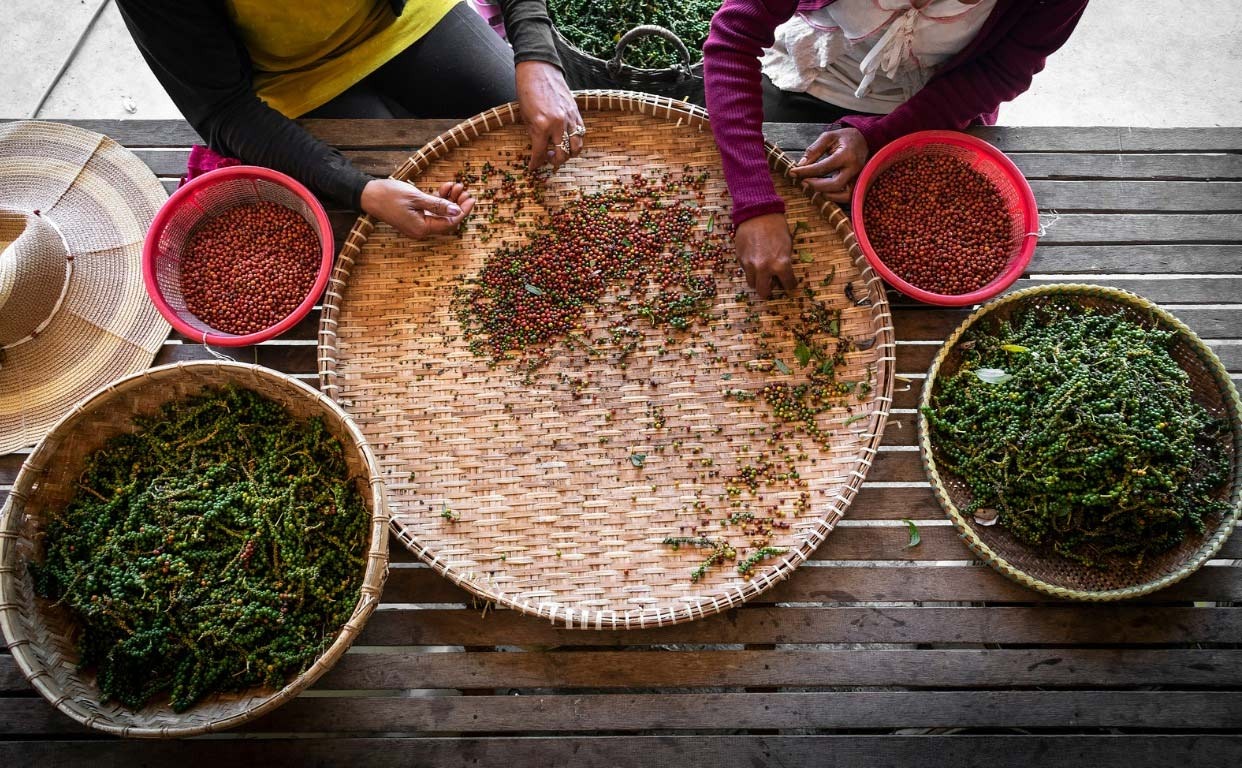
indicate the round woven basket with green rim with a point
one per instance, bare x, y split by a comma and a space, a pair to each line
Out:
1040, 568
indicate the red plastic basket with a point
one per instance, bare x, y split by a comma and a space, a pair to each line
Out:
984, 158
204, 198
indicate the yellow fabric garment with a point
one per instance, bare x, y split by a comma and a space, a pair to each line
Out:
307, 52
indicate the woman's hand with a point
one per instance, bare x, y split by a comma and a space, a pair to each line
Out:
765, 250
413, 212
832, 162
550, 113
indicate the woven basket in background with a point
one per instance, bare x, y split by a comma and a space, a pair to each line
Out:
1040, 568
524, 491
43, 636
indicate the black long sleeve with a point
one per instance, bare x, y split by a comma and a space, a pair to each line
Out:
529, 29
194, 52
196, 55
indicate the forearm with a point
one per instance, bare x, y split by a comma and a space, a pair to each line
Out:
740, 31
259, 135
530, 31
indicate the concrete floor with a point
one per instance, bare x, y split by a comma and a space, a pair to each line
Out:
1160, 63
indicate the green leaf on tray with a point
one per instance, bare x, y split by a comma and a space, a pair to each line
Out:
532, 288
805, 257
638, 459
803, 353
780, 366
711, 223
1014, 348
992, 375
914, 534
856, 417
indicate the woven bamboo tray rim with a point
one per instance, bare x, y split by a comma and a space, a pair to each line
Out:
26, 626
1212, 542
680, 114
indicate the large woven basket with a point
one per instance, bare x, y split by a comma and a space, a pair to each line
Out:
43, 636
1041, 568
533, 494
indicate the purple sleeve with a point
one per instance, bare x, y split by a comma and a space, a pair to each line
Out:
740, 30
978, 86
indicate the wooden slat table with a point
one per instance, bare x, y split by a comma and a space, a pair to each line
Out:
871, 653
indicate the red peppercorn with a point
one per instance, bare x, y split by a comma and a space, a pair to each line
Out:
939, 224
248, 268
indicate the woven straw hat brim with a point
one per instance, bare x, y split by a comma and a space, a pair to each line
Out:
101, 199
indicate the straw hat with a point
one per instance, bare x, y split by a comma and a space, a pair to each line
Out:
74, 208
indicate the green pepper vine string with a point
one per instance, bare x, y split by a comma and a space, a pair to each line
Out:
1082, 432
220, 546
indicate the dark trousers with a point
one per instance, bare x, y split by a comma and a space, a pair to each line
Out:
792, 107
458, 69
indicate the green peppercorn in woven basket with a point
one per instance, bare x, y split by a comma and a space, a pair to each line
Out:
1039, 567
43, 636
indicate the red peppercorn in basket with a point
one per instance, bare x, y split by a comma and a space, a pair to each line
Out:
237, 256
945, 218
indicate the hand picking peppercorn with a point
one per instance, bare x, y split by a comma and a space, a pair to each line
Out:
939, 224
250, 267
1082, 431
219, 547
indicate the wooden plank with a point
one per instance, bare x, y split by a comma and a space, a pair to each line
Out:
1147, 710
1080, 165
1064, 196
1140, 710
1072, 228
975, 582
1137, 259
1170, 290
735, 751
141, 133
922, 323
11, 677
1110, 139
813, 583
1045, 139
1061, 625
889, 543
404, 133
1052, 668
402, 669
1138, 196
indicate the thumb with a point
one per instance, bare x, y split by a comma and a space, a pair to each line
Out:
421, 201
818, 147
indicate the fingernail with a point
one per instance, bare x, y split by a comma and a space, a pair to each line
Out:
453, 210
802, 160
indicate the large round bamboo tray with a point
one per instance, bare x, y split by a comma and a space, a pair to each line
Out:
1039, 568
531, 494
43, 636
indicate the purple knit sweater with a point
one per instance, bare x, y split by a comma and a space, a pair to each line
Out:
994, 67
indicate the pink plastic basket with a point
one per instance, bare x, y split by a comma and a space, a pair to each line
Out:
204, 198
984, 158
